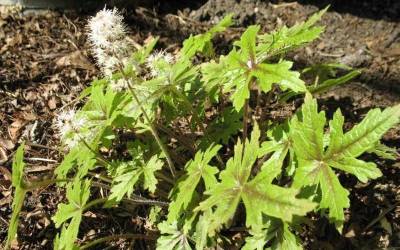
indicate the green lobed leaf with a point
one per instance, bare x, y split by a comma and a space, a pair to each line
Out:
196, 169
366, 134
308, 134
202, 42
286, 39
277, 234
224, 126
236, 186
62, 238
277, 148
279, 73
286, 240
78, 194
150, 180
256, 241
124, 182
315, 162
240, 70
127, 174
384, 151
201, 233
171, 238
247, 45
142, 53
79, 158
272, 200
325, 85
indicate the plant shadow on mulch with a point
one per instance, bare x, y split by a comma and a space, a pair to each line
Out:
45, 62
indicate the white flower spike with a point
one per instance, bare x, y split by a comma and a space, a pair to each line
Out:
71, 128
107, 35
106, 28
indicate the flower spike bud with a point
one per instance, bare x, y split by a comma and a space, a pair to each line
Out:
70, 127
110, 45
105, 28
159, 63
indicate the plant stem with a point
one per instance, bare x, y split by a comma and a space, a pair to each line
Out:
147, 118
94, 203
245, 116
164, 177
100, 177
99, 157
116, 237
136, 199
140, 200
258, 103
263, 117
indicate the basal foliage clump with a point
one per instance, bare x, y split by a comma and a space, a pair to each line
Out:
182, 136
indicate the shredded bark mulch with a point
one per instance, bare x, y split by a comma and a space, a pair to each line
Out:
45, 63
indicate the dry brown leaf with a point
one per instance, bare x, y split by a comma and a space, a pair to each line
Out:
15, 244
52, 103
3, 155
6, 200
6, 174
395, 52
15, 129
5, 184
352, 231
7, 144
40, 168
29, 116
75, 59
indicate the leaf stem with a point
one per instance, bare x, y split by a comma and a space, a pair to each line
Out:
136, 199
264, 126
164, 177
245, 125
147, 118
246, 110
94, 203
116, 237
99, 157
100, 177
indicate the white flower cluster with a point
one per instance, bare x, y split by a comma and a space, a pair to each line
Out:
159, 63
111, 47
106, 28
72, 128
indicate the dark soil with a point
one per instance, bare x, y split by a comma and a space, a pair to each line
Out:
45, 62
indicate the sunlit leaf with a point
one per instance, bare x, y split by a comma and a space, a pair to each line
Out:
316, 162
171, 238
196, 169
77, 194
258, 194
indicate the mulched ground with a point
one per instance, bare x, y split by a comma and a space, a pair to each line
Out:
45, 62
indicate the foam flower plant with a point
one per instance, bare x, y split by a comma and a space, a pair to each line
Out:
163, 135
